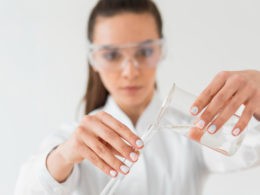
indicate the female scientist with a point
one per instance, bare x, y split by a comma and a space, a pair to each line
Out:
121, 101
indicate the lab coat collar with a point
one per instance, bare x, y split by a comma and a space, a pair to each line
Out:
146, 118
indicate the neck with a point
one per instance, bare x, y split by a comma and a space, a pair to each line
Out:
134, 112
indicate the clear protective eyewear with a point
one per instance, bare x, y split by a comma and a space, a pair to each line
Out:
145, 54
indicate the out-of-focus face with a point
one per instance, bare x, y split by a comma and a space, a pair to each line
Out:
130, 86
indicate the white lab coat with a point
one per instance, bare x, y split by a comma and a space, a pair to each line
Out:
170, 164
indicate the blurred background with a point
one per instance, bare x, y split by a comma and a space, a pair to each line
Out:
43, 68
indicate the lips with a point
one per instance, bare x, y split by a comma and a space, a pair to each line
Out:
131, 88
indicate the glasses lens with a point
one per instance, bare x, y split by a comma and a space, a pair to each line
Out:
107, 58
148, 55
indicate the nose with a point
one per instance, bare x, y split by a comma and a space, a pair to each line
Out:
130, 69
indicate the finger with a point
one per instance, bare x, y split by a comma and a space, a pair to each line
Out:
115, 152
221, 98
247, 114
110, 136
87, 153
230, 108
103, 152
196, 133
208, 93
121, 129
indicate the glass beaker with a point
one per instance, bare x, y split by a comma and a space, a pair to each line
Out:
175, 115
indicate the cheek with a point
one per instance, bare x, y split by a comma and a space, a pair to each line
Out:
150, 77
109, 80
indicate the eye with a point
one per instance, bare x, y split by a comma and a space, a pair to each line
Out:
111, 55
145, 52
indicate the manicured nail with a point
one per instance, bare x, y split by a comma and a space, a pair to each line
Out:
133, 156
200, 124
124, 169
194, 110
212, 129
139, 143
113, 173
236, 132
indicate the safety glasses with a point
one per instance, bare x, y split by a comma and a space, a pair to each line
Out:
143, 55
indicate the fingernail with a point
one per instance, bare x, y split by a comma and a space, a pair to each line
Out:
133, 156
113, 173
194, 110
212, 129
139, 143
124, 169
200, 124
236, 132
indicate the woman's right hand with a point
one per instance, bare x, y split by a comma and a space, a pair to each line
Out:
98, 138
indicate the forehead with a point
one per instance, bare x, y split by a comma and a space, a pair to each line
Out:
124, 28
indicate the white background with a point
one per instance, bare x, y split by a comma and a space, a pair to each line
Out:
43, 68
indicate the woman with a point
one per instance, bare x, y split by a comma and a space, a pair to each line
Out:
121, 101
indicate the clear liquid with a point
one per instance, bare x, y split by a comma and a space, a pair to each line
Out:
222, 141
179, 128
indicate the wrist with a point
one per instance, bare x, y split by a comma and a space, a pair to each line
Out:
58, 166
60, 151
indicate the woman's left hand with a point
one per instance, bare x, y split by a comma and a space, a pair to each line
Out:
224, 95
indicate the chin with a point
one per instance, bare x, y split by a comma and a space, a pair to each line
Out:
135, 100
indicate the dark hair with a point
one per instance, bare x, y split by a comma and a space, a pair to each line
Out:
96, 93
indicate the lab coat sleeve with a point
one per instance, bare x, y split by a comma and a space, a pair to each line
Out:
34, 178
247, 156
